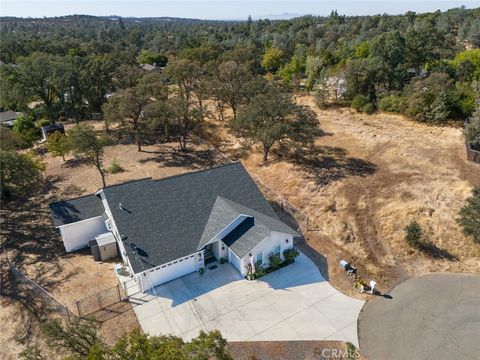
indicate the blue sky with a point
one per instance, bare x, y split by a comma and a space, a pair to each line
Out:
227, 9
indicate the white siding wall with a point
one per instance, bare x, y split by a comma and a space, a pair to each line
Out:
267, 246
77, 235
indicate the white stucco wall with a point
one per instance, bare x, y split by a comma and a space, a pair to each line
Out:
77, 235
266, 247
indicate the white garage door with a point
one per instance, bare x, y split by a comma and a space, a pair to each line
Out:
234, 260
172, 271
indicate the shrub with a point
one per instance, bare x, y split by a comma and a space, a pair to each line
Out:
359, 101
58, 145
413, 234
393, 103
368, 108
115, 167
473, 129
24, 126
41, 122
223, 260
469, 216
275, 260
260, 271
201, 271
290, 255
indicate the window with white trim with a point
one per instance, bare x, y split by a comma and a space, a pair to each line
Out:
277, 250
259, 259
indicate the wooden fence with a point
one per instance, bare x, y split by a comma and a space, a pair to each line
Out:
472, 155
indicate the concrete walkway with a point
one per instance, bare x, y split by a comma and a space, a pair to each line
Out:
293, 303
429, 317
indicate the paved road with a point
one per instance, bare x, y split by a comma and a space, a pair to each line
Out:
293, 303
429, 317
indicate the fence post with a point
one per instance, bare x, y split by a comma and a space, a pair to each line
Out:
99, 301
118, 292
68, 313
78, 308
126, 290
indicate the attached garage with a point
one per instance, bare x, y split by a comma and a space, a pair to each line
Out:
77, 235
167, 272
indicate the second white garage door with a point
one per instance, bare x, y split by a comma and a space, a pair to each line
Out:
168, 272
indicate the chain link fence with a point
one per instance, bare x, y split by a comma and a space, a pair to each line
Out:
102, 300
17, 285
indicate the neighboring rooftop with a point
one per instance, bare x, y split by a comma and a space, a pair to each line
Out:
8, 117
77, 209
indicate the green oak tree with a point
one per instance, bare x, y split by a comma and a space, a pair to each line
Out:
273, 117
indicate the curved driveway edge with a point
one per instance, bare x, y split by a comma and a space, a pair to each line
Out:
435, 316
292, 303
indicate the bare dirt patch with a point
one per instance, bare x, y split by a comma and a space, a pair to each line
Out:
279, 350
363, 182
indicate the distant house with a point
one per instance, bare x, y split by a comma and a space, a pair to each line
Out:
7, 118
151, 67
50, 129
168, 228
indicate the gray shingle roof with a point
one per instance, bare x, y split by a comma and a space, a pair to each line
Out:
8, 115
81, 208
252, 230
174, 217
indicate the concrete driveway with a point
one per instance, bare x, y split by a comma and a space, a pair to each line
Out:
429, 317
293, 303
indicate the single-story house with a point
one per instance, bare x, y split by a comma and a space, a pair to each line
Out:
7, 118
167, 228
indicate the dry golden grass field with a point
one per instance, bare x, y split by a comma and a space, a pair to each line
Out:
360, 185
364, 181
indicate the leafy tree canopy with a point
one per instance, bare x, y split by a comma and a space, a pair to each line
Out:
272, 117
150, 57
18, 173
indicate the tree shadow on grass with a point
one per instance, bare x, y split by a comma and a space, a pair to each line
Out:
435, 252
75, 162
192, 158
326, 164
29, 236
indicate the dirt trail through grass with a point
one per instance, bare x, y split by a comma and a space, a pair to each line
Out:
364, 181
